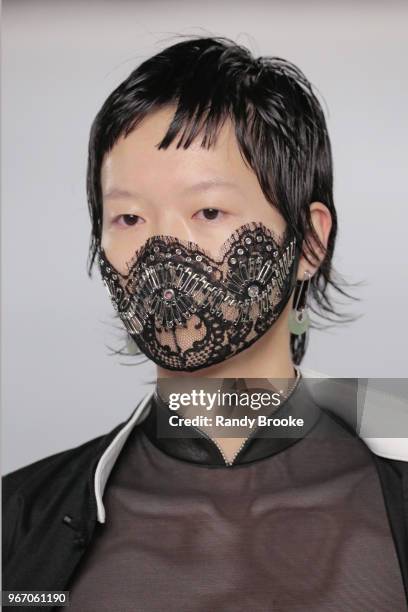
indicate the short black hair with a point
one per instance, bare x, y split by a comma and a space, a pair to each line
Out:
279, 125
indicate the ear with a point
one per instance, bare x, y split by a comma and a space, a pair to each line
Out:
322, 223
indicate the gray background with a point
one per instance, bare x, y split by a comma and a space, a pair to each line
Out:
60, 60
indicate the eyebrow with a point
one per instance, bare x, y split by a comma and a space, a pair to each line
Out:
209, 184
205, 185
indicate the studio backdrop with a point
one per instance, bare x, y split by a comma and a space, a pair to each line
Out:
61, 382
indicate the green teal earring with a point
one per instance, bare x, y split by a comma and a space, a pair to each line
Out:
131, 346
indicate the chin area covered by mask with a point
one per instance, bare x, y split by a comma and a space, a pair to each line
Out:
187, 310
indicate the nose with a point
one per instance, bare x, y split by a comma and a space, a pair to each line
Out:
168, 223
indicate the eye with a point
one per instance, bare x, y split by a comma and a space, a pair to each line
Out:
128, 220
211, 213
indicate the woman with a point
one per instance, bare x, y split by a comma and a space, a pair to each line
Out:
212, 247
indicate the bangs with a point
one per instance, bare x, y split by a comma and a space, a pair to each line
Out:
192, 124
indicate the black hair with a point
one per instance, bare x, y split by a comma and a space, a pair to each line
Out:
279, 125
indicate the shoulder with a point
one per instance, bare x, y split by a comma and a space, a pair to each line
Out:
26, 491
49, 466
379, 412
38, 494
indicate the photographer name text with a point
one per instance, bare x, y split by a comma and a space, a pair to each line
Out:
245, 421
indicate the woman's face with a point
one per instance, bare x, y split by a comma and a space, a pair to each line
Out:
193, 194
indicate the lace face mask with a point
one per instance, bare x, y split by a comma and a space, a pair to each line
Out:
187, 310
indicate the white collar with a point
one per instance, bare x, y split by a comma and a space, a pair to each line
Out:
390, 448
107, 460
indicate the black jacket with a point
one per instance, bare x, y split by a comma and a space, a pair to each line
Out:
50, 513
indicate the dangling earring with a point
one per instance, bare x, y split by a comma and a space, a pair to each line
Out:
131, 346
299, 321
